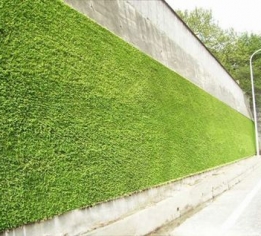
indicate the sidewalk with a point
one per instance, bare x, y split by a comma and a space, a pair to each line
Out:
234, 213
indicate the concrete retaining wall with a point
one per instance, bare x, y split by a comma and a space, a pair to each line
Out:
143, 212
154, 28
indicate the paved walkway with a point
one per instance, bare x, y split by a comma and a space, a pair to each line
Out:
237, 212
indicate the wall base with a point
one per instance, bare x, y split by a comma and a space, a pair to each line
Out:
143, 212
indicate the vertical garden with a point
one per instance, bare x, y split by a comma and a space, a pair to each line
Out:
85, 117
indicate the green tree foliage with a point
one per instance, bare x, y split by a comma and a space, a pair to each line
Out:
246, 44
231, 48
206, 28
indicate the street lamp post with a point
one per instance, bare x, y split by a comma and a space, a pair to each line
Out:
254, 101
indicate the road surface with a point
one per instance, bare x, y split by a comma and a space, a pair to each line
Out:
236, 212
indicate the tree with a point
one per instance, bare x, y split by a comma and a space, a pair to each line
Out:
246, 44
202, 23
231, 48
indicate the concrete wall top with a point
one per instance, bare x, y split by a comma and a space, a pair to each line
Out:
154, 28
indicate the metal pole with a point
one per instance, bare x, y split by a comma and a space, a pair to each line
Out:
254, 101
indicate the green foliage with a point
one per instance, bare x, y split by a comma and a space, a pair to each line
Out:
206, 28
85, 117
245, 46
231, 48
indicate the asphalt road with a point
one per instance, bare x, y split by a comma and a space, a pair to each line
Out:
236, 212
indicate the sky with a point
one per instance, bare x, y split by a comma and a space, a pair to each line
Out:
242, 15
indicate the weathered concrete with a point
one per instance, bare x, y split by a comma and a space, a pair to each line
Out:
143, 212
154, 28
236, 212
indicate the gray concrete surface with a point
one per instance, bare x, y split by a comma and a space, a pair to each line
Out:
143, 212
234, 213
154, 28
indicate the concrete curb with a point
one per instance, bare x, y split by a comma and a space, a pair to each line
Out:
143, 212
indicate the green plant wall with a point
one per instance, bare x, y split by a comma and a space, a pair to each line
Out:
85, 117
